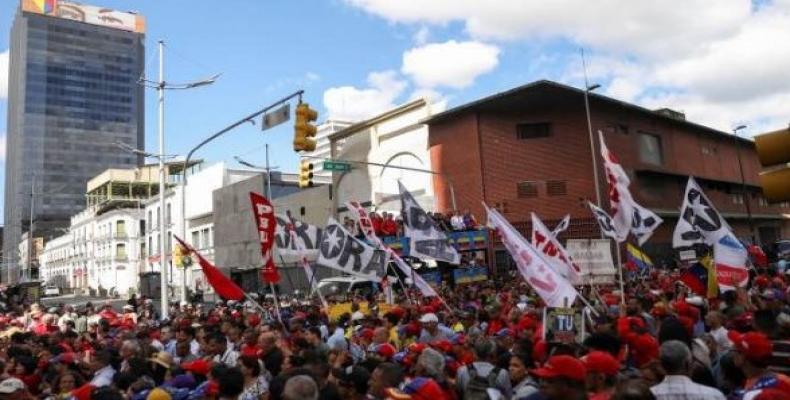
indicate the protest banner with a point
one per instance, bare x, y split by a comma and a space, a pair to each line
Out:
470, 275
563, 325
594, 258
337, 310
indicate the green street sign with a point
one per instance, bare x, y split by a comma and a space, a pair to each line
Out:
338, 166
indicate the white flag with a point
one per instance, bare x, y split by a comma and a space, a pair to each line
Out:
562, 226
699, 222
555, 290
643, 223
366, 225
341, 251
606, 224
626, 214
425, 239
553, 251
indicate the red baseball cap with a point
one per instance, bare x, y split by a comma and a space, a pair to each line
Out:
366, 333
442, 345
645, 349
198, 366
602, 362
562, 367
755, 346
386, 350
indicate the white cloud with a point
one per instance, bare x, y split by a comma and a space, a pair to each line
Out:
312, 77
450, 64
4, 75
421, 36
720, 65
348, 102
644, 27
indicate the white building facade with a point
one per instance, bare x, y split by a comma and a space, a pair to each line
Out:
100, 254
396, 138
322, 144
199, 224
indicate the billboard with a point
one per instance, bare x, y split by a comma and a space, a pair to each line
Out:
88, 14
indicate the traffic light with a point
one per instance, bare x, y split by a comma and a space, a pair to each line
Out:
306, 174
773, 150
304, 131
178, 254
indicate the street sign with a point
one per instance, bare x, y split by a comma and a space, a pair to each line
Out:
276, 117
338, 166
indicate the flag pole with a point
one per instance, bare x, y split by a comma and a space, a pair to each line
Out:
276, 304
620, 270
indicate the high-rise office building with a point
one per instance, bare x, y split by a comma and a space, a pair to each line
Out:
73, 94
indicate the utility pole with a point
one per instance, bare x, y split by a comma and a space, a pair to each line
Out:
162, 176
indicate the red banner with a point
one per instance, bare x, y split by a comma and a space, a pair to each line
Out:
263, 211
224, 287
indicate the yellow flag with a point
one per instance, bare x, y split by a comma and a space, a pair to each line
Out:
713, 284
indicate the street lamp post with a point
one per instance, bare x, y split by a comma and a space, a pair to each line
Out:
248, 118
161, 85
743, 184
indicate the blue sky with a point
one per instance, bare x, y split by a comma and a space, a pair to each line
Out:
357, 57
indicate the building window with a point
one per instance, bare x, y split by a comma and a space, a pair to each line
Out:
120, 228
150, 221
168, 218
206, 238
556, 188
762, 201
527, 189
737, 198
196, 239
533, 130
120, 251
650, 149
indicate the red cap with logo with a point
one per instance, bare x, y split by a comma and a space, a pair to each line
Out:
562, 367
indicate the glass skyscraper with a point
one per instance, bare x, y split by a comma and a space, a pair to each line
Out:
73, 94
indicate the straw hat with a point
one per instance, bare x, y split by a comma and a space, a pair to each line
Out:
162, 358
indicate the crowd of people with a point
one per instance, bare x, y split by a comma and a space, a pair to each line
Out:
484, 341
389, 224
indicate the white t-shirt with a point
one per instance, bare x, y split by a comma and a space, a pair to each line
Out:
720, 336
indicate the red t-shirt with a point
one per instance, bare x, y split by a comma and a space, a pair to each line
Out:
389, 227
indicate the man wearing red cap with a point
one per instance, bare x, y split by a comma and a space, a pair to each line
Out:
562, 378
602, 369
753, 354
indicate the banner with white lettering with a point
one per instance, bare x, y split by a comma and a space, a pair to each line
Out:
426, 240
555, 290
366, 226
559, 259
341, 251
294, 239
263, 212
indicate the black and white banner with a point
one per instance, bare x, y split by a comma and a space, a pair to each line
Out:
341, 251
643, 223
294, 239
699, 221
425, 240
562, 226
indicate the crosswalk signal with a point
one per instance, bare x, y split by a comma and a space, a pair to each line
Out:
306, 174
773, 150
304, 131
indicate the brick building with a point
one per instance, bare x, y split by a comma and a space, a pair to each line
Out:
528, 149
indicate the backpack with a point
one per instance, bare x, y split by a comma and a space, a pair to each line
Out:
477, 387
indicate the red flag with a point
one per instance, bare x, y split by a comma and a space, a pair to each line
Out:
263, 212
224, 287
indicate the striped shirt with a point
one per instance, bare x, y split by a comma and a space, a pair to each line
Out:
780, 357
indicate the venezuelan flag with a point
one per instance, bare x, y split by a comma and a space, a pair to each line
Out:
636, 259
46, 6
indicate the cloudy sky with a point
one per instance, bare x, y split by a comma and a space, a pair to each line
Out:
722, 62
